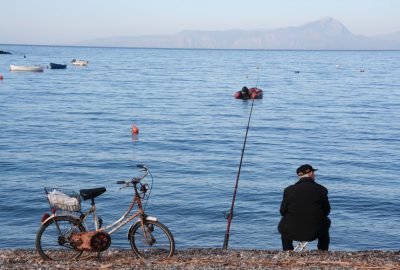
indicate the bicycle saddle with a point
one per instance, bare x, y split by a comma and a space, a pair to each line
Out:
91, 193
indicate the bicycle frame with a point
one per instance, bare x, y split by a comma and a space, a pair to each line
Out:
123, 220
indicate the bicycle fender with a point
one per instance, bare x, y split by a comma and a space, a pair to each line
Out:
53, 216
151, 218
130, 231
47, 219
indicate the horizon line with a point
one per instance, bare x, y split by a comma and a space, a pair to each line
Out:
178, 48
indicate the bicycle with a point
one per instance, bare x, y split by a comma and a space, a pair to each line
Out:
63, 235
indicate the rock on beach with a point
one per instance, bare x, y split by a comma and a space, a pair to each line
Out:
209, 259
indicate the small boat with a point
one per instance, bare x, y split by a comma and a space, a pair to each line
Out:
26, 68
4, 52
79, 62
57, 66
252, 93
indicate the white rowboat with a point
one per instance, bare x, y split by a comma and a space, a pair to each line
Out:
26, 68
79, 62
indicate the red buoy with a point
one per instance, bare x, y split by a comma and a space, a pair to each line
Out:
253, 93
1, 77
238, 95
135, 129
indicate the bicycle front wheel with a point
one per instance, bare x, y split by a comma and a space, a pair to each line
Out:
152, 241
52, 238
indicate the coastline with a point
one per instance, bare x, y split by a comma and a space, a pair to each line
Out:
210, 258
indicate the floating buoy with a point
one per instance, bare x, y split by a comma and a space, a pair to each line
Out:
1, 77
135, 129
238, 94
253, 93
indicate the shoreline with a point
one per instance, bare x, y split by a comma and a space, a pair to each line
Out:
210, 258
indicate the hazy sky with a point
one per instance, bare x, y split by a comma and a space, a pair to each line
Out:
71, 21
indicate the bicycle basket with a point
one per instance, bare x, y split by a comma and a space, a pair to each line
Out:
63, 199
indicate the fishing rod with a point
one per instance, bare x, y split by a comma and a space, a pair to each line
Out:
258, 76
230, 215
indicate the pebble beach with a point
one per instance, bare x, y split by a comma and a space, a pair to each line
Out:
210, 259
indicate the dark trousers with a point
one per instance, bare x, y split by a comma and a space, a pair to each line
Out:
323, 242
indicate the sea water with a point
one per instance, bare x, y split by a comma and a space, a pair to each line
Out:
336, 110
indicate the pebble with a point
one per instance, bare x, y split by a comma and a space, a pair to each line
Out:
209, 258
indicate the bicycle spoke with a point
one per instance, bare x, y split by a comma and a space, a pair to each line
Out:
155, 244
52, 242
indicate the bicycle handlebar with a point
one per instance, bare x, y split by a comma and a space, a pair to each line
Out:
135, 180
121, 182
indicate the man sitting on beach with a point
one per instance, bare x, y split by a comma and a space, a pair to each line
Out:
305, 208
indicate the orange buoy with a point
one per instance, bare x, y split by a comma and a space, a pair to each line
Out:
135, 129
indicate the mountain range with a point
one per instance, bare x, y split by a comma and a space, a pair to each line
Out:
323, 34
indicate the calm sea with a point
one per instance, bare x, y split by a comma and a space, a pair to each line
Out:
72, 128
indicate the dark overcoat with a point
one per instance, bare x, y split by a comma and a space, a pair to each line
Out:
305, 208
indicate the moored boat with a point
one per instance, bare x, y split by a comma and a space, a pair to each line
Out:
26, 68
79, 62
57, 66
252, 93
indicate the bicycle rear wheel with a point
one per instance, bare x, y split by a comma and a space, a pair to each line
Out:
52, 238
152, 241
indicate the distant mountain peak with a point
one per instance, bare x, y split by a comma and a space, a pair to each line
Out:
323, 34
328, 25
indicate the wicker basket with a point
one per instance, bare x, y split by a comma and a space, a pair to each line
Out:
63, 199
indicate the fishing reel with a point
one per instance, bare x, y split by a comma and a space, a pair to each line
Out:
227, 214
